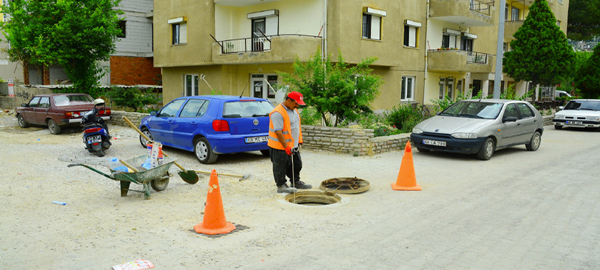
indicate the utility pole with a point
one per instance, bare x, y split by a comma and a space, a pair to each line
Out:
499, 50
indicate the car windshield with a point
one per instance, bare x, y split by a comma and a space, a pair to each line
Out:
473, 109
243, 109
583, 105
67, 100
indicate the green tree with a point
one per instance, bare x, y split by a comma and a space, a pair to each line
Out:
74, 34
335, 88
584, 19
540, 52
588, 77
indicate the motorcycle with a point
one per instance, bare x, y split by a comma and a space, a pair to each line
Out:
95, 133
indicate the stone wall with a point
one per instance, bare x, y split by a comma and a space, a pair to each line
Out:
357, 142
134, 117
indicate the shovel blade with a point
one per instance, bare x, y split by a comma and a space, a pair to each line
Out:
190, 177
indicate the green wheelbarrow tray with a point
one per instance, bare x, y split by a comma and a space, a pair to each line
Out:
156, 178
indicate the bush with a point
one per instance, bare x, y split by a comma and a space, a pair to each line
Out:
310, 116
133, 97
404, 117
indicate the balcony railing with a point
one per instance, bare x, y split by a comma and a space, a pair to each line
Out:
481, 6
477, 57
255, 44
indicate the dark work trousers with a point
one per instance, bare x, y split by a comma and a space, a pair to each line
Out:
282, 165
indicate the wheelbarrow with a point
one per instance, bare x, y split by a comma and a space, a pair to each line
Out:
156, 178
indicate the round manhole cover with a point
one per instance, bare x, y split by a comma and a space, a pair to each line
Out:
345, 185
312, 197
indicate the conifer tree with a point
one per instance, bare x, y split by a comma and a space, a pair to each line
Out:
588, 77
540, 52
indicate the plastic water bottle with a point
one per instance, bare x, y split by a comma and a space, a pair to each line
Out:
147, 164
115, 165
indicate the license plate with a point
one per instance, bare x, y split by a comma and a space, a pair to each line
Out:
574, 122
432, 142
256, 139
94, 139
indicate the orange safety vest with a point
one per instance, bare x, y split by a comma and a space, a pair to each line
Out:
273, 141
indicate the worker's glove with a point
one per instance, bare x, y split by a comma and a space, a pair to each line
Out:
288, 150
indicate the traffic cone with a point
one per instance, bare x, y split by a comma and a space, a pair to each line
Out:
406, 177
214, 218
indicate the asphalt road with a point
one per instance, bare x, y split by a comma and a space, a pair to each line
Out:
519, 210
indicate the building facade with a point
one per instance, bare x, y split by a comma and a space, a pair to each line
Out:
426, 49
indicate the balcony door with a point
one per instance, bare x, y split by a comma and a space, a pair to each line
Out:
259, 31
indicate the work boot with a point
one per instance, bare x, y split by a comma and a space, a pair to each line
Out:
302, 185
285, 189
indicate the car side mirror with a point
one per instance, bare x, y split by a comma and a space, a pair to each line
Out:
23, 104
509, 119
153, 113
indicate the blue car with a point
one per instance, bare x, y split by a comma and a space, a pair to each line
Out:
211, 125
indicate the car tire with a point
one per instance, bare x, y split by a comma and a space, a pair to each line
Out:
487, 149
53, 127
557, 127
204, 152
535, 142
22, 122
265, 153
143, 141
422, 149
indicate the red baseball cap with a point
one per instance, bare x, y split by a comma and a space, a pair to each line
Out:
297, 97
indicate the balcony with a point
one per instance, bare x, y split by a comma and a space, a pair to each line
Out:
467, 13
268, 49
242, 3
459, 61
510, 28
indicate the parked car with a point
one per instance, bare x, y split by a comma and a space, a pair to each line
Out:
480, 127
561, 93
57, 111
211, 125
578, 113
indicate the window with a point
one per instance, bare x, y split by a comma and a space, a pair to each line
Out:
122, 26
194, 108
514, 14
408, 88
44, 102
558, 23
372, 21
191, 85
511, 111
526, 112
449, 38
171, 109
34, 102
411, 33
506, 13
178, 30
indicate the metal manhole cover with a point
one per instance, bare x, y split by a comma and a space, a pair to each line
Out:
345, 185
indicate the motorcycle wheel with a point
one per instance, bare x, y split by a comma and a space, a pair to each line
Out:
100, 153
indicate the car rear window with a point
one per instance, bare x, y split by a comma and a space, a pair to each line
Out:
72, 100
245, 109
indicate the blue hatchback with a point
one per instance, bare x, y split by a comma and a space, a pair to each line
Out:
211, 125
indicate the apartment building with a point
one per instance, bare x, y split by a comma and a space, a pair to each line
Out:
426, 49
8, 70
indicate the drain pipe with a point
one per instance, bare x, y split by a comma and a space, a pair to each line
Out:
426, 51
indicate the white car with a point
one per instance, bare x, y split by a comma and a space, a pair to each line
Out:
579, 113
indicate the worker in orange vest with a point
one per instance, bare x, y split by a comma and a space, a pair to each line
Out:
285, 138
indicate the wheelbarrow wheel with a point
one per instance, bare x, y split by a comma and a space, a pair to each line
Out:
160, 184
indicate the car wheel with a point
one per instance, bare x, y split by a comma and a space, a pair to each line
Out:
487, 149
535, 142
143, 140
204, 152
422, 149
557, 127
265, 153
22, 122
54, 128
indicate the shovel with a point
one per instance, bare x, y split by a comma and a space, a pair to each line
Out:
190, 177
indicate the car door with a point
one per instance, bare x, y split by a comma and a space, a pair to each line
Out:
29, 111
191, 118
160, 125
41, 111
510, 130
528, 122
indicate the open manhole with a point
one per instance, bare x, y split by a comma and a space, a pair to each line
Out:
345, 185
313, 197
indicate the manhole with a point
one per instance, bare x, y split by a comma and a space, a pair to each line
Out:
312, 197
345, 185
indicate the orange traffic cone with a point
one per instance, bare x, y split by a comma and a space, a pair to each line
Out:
406, 177
214, 218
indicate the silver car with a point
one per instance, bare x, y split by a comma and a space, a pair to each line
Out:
480, 126
579, 113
